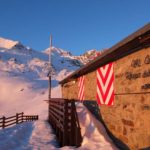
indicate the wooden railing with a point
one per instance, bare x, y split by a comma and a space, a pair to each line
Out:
64, 120
16, 119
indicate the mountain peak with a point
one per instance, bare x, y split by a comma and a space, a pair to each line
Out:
58, 51
6, 43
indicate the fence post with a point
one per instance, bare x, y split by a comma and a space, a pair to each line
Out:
73, 125
22, 117
65, 135
3, 123
16, 118
78, 135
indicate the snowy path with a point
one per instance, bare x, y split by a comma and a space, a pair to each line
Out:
28, 136
39, 135
16, 137
42, 137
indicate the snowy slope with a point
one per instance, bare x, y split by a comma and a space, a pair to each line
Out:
19, 60
63, 60
23, 88
7, 43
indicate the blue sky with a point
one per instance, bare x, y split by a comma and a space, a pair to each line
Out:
76, 25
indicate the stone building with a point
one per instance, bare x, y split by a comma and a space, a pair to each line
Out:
128, 120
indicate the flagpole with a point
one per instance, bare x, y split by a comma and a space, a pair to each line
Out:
50, 67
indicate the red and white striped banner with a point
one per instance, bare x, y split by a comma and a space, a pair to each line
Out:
105, 88
81, 88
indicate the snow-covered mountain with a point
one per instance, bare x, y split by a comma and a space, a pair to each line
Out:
87, 56
19, 60
7, 43
62, 59
10, 44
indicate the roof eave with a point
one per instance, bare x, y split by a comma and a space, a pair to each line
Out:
114, 50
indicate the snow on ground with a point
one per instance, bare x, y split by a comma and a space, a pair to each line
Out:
18, 95
93, 132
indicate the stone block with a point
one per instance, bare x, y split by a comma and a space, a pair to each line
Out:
123, 138
128, 122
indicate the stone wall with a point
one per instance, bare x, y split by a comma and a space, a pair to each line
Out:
70, 90
129, 118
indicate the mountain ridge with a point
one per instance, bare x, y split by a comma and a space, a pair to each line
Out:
19, 60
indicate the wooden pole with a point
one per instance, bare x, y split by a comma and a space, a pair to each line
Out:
16, 118
3, 123
50, 69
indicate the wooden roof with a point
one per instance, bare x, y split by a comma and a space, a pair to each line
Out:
132, 43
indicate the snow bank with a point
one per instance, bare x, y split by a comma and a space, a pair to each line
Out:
93, 133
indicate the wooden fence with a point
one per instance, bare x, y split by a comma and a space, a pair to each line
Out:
64, 120
16, 119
